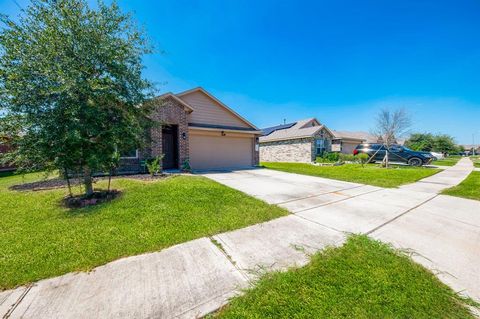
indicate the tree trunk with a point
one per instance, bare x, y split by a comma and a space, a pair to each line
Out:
386, 159
68, 183
87, 181
109, 180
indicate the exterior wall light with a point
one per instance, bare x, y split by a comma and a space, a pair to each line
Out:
184, 135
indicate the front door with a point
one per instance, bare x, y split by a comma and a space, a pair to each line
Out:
170, 146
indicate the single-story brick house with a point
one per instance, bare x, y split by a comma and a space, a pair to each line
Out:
304, 140
198, 128
299, 141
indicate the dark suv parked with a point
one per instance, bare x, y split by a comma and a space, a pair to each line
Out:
397, 153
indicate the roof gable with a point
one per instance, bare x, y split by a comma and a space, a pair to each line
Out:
170, 95
209, 110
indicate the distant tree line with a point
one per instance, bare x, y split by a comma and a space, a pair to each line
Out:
429, 142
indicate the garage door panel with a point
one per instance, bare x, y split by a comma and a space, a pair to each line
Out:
217, 152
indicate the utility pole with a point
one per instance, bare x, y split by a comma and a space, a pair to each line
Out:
473, 144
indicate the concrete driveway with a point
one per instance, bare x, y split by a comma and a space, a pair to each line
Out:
441, 232
281, 188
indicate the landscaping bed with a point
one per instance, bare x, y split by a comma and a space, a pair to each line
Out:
362, 279
41, 238
371, 174
47, 182
469, 188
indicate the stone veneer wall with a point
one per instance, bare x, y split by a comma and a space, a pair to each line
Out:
297, 150
256, 152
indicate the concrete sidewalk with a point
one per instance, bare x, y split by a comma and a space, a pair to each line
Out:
447, 178
197, 277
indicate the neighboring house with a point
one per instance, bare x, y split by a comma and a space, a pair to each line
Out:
4, 148
198, 128
345, 142
470, 148
299, 141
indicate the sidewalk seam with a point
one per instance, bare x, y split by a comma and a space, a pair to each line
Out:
218, 243
402, 214
337, 201
19, 300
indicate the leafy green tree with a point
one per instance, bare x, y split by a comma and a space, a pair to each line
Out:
421, 142
73, 75
429, 142
445, 143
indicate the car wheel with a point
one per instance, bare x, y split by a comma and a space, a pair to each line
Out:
415, 161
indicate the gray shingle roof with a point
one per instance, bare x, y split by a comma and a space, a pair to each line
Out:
302, 128
358, 135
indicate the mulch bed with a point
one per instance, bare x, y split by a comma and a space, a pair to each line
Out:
96, 198
57, 182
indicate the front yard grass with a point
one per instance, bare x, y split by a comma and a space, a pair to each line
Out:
362, 279
475, 160
448, 161
371, 174
469, 188
40, 238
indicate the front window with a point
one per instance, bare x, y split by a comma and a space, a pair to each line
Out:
132, 153
320, 146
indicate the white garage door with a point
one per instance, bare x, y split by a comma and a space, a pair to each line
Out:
220, 152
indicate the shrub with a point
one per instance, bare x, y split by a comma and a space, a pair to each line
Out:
154, 166
347, 158
186, 165
362, 158
330, 157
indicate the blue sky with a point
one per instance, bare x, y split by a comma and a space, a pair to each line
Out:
339, 61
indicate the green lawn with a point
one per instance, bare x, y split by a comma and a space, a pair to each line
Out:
371, 174
469, 188
475, 160
41, 239
448, 161
362, 279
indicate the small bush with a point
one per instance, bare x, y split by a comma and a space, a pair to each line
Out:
330, 157
347, 158
154, 166
186, 165
362, 158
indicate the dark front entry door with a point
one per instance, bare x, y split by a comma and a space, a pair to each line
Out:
170, 146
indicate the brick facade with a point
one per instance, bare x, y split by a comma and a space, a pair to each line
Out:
301, 150
4, 148
296, 150
169, 112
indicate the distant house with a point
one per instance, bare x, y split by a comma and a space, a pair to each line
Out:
470, 148
304, 140
345, 142
299, 141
